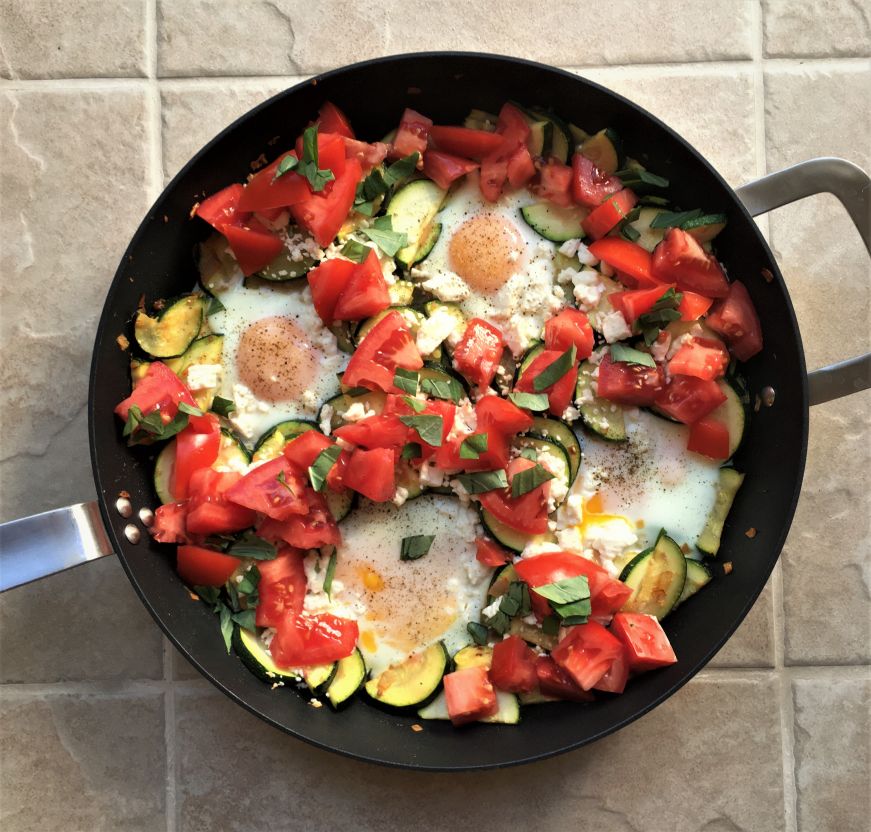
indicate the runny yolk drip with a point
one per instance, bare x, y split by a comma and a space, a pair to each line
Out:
367, 639
486, 251
276, 360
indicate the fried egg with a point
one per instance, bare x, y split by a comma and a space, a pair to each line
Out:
279, 361
402, 606
493, 265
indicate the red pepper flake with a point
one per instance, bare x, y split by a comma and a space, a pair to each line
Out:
124, 494
123, 341
751, 532
727, 567
194, 209
767, 275
194, 596
417, 728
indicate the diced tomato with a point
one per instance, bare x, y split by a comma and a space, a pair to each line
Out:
199, 566
637, 302
494, 173
561, 392
554, 681
304, 531
607, 595
302, 640
615, 679
332, 120
489, 553
527, 513
514, 129
502, 416
388, 345
335, 479
520, 168
693, 305
469, 695
368, 155
275, 489
331, 153
464, 141
222, 208
513, 666
327, 282
193, 450
500, 419
570, 326
680, 259
443, 168
381, 430
265, 192
366, 292
253, 245
627, 258
632, 384
710, 438
647, 645
169, 523
305, 448
371, 473
702, 357
605, 216
209, 511
554, 183
586, 653
282, 587
591, 186
689, 399
512, 124
736, 320
478, 354
161, 389
412, 134
323, 213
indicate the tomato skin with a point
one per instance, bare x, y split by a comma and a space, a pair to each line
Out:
160, 389
262, 491
469, 695
327, 282
703, 358
479, 351
282, 587
561, 392
709, 438
494, 173
253, 245
169, 523
586, 653
591, 186
371, 473
554, 681
570, 326
302, 640
412, 135
689, 399
382, 430
323, 213
631, 384
605, 216
304, 449
489, 553
693, 306
365, 294
616, 677
509, 157
736, 320
264, 192
315, 527
520, 168
554, 183
513, 666
679, 258
627, 258
194, 450
199, 566
465, 141
367, 154
331, 154
443, 168
527, 513
209, 511
636, 302
332, 120
647, 645
501, 415
222, 208
388, 345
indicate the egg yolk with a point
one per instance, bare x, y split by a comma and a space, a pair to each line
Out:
276, 360
486, 251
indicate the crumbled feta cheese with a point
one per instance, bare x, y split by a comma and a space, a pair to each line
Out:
203, 376
614, 327
571, 414
460, 490
400, 496
588, 287
243, 418
609, 539
570, 247
586, 257
446, 286
344, 444
435, 329
570, 539
677, 343
356, 412
534, 548
431, 476
465, 420
326, 419
491, 609
301, 246
557, 467
659, 348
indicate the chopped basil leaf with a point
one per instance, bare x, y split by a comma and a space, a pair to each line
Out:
401, 169
550, 624
631, 177
245, 619
249, 582
141, 429
249, 545
373, 186
415, 404
416, 546
531, 401
516, 601
529, 453
479, 482
288, 163
382, 234
429, 428
406, 380
555, 370
628, 355
566, 590
232, 595
670, 219
411, 450
328, 577
308, 166
629, 232
660, 315
478, 632
448, 388
222, 406
367, 209
499, 622
658, 201
355, 251
184, 407
573, 610
283, 481
210, 594
215, 306
321, 467
226, 619
525, 481
473, 446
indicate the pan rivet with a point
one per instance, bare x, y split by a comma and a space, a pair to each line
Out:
124, 507
132, 533
768, 395
146, 517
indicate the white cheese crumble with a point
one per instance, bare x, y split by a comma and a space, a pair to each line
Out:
659, 348
586, 257
356, 412
588, 287
614, 327
203, 376
570, 539
446, 286
609, 539
325, 423
435, 329
400, 496
244, 418
570, 247
431, 476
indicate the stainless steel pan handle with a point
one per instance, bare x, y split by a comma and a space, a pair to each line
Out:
852, 186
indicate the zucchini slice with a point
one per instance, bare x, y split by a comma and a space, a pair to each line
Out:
412, 683
657, 577
412, 317
705, 228
526, 359
373, 400
319, 676
255, 657
549, 446
271, 444
163, 471
605, 150
232, 454
205, 349
412, 210
427, 243
727, 488
553, 222
577, 134
284, 268
481, 120
343, 331
649, 238
475, 655
508, 537
558, 134
401, 293
508, 713
173, 330
698, 575
438, 372
733, 413
340, 503
540, 137
348, 679
555, 430
602, 417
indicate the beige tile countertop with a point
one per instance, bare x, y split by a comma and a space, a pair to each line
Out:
104, 728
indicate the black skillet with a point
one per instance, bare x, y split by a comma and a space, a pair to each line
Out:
159, 263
